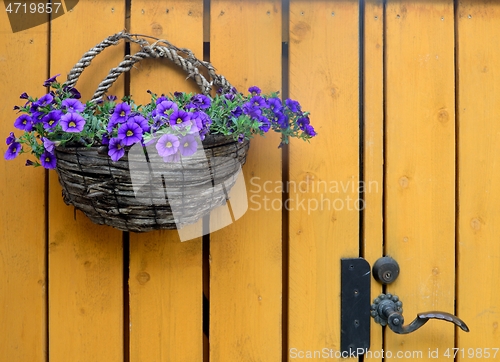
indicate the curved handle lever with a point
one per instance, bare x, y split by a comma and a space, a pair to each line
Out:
387, 309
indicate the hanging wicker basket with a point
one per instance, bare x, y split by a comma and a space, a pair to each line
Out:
139, 192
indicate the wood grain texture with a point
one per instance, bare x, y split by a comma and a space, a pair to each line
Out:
420, 166
22, 195
165, 275
85, 260
324, 59
246, 258
478, 168
373, 151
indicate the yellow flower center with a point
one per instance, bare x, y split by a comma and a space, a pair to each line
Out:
47, 159
186, 144
179, 120
169, 144
51, 122
122, 114
129, 133
72, 124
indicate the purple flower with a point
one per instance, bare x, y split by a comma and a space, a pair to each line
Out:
282, 120
74, 92
48, 145
179, 118
72, 122
51, 80
188, 145
309, 130
237, 112
303, 122
265, 124
164, 108
130, 133
229, 97
48, 160
140, 121
29, 163
51, 119
241, 138
161, 99
275, 104
44, 101
24, 123
116, 149
12, 151
120, 114
24, 96
10, 140
105, 140
72, 105
252, 110
167, 145
111, 98
258, 101
293, 105
201, 101
254, 89
16, 108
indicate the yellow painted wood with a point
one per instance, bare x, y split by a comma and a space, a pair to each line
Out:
85, 260
324, 77
165, 274
478, 170
22, 216
420, 167
373, 149
246, 257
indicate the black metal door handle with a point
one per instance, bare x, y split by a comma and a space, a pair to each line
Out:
387, 309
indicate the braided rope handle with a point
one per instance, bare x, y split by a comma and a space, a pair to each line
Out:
182, 57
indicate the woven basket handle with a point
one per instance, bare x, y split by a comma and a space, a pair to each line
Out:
182, 57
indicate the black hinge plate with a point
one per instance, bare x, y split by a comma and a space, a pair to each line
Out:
355, 306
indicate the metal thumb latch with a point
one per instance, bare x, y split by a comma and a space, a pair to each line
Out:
387, 309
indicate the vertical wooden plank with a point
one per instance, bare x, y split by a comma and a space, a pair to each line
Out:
420, 165
373, 162
324, 59
165, 274
246, 258
478, 171
85, 260
22, 194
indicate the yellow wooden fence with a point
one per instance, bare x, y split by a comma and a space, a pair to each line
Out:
405, 96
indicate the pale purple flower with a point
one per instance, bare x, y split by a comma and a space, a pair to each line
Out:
48, 145
176, 157
188, 145
167, 145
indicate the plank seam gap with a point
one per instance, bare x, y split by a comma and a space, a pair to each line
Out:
285, 178
384, 144
455, 55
